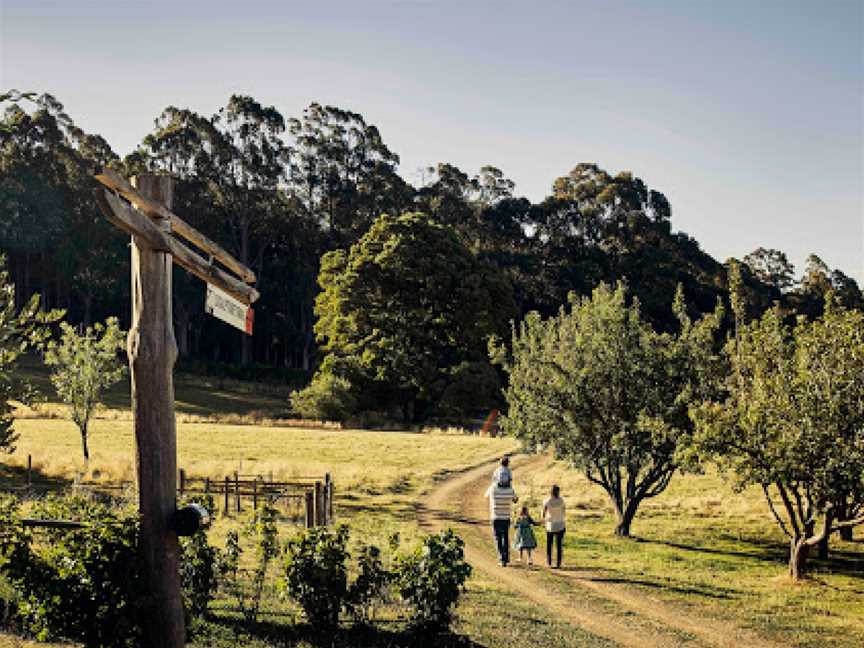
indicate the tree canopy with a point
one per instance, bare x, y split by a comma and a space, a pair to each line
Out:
405, 310
608, 393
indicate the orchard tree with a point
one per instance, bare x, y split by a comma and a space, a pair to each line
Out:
406, 312
609, 394
793, 422
84, 366
20, 330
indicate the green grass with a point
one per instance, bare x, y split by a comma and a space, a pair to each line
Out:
706, 548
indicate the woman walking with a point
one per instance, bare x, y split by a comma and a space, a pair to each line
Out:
553, 515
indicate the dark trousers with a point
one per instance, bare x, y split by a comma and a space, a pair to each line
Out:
501, 529
558, 538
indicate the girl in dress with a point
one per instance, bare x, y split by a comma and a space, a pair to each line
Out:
525, 540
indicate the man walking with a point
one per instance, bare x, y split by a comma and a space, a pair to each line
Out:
501, 498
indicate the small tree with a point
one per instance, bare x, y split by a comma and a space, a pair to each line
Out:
84, 366
793, 422
608, 393
20, 330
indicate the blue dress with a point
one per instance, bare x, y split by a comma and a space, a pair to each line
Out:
524, 533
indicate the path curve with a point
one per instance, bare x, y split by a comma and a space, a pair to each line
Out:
465, 489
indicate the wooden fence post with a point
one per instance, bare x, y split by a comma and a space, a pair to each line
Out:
237, 491
206, 485
255, 494
152, 352
182, 482
29, 471
227, 490
328, 504
310, 509
319, 504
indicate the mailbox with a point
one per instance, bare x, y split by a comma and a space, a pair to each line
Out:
189, 519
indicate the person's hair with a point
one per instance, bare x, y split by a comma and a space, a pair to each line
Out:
556, 491
524, 510
505, 460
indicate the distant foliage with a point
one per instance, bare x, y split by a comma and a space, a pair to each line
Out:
327, 398
403, 309
84, 366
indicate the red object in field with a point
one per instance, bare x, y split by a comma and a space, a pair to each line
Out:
489, 427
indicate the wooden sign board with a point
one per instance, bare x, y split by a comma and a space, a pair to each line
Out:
232, 311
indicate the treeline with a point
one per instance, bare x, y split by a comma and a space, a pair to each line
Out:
280, 192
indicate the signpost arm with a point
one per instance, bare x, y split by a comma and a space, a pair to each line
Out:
152, 352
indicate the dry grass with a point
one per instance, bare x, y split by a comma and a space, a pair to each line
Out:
368, 460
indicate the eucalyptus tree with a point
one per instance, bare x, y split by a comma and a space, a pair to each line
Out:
343, 172
607, 393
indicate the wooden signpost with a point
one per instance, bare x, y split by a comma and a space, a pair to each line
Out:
152, 350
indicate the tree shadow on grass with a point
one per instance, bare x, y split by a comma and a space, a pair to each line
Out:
848, 563
222, 632
13, 479
606, 575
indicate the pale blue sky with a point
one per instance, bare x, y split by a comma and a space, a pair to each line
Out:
747, 115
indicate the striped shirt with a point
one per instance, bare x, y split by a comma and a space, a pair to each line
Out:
500, 501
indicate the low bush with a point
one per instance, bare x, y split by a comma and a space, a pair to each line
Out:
327, 398
315, 574
82, 584
432, 578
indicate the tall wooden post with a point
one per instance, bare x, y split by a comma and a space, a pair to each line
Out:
152, 352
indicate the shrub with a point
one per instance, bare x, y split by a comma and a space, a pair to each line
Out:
431, 579
316, 575
327, 398
372, 584
199, 566
82, 584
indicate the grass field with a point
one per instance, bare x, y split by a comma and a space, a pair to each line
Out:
703, 546
699, 546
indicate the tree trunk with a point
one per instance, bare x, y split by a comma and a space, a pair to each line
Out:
822, 547
84, 443
798, 552
624, 517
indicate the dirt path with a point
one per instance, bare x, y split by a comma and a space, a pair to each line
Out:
458, 502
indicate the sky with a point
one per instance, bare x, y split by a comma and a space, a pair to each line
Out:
749, 116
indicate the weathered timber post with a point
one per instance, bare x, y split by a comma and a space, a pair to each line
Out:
319, 504
237, 490
152, 351
255, 495
182, 482
206, 485
227, 490
328, 494
29, 471
310, 509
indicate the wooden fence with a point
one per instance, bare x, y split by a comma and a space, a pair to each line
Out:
313, 496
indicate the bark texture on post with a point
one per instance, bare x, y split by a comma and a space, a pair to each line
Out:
152, 352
